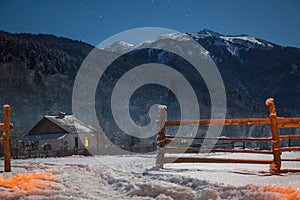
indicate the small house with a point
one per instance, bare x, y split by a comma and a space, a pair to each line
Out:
61, 133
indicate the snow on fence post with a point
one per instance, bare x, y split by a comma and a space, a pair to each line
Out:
161, 136
6, 138
276, 164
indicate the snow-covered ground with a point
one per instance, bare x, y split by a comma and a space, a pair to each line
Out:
134, 177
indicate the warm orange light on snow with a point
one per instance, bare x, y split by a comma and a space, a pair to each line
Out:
289, 193
29, 184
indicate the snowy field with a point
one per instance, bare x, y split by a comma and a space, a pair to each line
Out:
134, 177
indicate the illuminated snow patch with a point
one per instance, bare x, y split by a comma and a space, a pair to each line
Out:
29, 184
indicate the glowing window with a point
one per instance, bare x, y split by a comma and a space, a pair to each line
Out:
86, 141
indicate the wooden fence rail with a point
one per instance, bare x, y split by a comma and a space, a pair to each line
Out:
5, 127
275, 122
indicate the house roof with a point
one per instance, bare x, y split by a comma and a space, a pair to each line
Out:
65, 124
71, 124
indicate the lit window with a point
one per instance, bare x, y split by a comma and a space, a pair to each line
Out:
86, 141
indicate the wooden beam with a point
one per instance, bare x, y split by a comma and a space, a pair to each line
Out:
225, 122
282, 122
289, 136
198, 150
161, 136
6, 138
2, 126
2, 140
289, 170
288, 122
276, 165
290, 159
213, 160
220, 138
289, 149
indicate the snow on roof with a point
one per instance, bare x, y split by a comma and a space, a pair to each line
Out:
71, 124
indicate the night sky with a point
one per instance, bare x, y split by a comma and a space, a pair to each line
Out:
277, 21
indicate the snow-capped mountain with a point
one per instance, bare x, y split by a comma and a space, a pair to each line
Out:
234, 44
252, 69
119, 47
242, 40
45, 67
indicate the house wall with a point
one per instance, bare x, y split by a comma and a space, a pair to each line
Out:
68, 143
71, 141
92, 140
56, 145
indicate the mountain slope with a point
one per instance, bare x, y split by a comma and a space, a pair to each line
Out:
263, 68
37, 74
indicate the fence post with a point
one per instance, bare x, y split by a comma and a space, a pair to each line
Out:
6, 138
275, 166
232, 144
161, 136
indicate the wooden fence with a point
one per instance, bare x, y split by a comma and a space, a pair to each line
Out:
5, 127
275, 122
